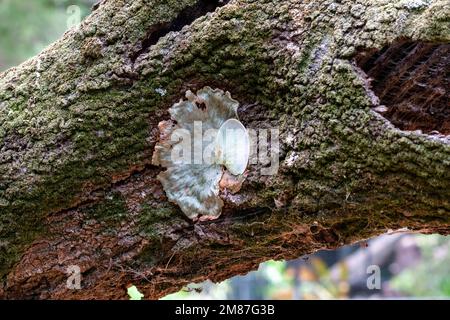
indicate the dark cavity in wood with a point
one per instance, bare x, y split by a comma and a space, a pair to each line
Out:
412, 79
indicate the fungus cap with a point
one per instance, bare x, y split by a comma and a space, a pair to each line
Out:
195, 186
233, 146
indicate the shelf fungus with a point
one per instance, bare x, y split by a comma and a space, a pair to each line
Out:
205, 149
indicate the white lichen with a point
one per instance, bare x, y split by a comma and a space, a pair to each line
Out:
162, 92
202, 141
415, 4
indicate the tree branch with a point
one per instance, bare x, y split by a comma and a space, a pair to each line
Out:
79, 124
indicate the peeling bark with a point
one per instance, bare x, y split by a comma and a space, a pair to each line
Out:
79, 124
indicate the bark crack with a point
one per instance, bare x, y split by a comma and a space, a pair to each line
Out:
184, 18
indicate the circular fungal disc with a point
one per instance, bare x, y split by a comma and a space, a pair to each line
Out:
233, 146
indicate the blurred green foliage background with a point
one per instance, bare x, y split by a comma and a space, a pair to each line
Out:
28, 26
411, 265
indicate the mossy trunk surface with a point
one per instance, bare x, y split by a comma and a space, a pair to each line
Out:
78, 125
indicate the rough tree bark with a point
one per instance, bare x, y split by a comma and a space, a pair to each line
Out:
79, 123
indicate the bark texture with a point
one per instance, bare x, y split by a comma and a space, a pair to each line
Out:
78, 124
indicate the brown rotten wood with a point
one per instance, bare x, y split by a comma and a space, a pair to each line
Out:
79, 124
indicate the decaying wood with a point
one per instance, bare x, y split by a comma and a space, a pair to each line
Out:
78, 124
